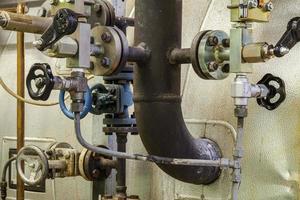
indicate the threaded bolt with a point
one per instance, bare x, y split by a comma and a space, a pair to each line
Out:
252, 4
106, 37
213, 41
269, 6
212, 66
106, 62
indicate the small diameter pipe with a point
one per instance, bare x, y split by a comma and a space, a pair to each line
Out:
215, 122
225, 163
24, 23
3, 184
237, 158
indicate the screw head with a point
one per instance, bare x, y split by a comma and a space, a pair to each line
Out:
284, 51
213, 41
106, 62
96, 173
226, 43
97, 7
212, 66
269, 6
106, 37
53, 2
252, 4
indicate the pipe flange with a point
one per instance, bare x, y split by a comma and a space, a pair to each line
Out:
90, 168
207, 55
114, 53
102, 14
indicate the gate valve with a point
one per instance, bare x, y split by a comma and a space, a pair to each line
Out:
40, 82
35, 162
289, 39
65, 22
276, 95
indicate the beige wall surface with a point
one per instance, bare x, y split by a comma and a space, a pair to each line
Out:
271, 163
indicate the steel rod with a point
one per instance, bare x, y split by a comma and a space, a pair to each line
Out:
20, 104
121, 170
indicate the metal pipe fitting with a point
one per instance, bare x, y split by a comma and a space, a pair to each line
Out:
157, 95
242, 90
139, 54
24, 23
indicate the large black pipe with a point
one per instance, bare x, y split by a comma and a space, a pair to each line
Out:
157, 94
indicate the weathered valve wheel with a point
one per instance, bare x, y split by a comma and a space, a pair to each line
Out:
209, 56
35, 162
39, 81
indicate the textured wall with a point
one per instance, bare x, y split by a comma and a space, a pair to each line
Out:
42, 122
271, 163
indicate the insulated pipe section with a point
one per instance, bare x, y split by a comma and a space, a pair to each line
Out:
24, 23
157, 95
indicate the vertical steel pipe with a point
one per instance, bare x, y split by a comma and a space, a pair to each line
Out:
20, 104
157, 94
121, 171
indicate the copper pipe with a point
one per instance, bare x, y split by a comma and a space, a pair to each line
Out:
24, 23
13, 10
20, 104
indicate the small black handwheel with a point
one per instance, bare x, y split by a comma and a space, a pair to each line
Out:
276, 95
40, 81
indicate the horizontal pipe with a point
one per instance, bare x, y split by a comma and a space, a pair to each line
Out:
222, 162
225, 124
180, 56
24, 23
138, 54
124, 21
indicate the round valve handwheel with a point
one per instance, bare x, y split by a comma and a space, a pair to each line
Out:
36, 165
40, 81
277, 93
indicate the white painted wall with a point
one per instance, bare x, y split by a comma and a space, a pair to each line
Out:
271, 163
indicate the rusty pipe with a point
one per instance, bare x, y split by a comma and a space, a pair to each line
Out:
24, 23
157, 94
180, 56
20, 92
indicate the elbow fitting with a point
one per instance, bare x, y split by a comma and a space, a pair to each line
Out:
157, 95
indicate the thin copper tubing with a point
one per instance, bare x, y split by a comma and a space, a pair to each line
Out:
20, 92
13, 10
